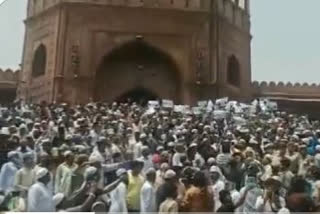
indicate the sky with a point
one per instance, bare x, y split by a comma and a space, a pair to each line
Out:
285, 45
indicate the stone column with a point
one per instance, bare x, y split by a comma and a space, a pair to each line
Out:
247, 5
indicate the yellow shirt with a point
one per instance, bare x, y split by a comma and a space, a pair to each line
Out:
134, 188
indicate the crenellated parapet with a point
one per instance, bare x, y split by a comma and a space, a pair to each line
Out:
285, 90
9, 78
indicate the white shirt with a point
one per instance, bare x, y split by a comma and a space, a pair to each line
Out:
267, 172
94, 137
198, 159
98, 155
176, 159
40, 199
235, 195
147, 163
118, 199
137, 150
131, 143
267, 207
50, 184
217, 188
148, 198
7, 176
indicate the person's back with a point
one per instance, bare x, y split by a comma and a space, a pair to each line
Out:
118, 200
169, 206
40, 199
249, 205
160, 194
148, 198
7, 175
197, 200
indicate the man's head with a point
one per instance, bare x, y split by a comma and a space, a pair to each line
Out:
200, 180
145, 151
170, 176
44, 159
43, 176
273, 184
101, 144
69, 157
164, 167
14, 157
123, 175
215, 173
143, 138
285, 164
28, 160
151, 175
46, 145
225, 197
136, 167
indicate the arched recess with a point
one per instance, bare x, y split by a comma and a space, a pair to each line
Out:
137, 67
39, 61
233, 72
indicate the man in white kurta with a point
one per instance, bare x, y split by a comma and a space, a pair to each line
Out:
148, 193
40, 198
8, 172
118, 195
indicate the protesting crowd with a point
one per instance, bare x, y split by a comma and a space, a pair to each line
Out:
221, 156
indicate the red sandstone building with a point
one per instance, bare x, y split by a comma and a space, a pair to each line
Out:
185, 50
104, 50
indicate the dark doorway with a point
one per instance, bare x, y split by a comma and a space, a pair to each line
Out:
139, 66
140, 96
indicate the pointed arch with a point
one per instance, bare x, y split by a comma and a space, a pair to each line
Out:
137, 64
39, 61
233, 71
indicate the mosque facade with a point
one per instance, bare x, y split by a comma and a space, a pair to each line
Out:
105, 50
78, 51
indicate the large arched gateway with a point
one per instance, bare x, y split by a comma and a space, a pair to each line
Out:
138, 71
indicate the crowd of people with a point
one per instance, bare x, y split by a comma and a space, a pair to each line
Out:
125, 157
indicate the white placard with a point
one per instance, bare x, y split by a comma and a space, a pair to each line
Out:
167, 103
179, 108
153, 104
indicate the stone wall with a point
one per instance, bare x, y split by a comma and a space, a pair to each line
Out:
9, 80
286, 90
198, 35
291, 97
